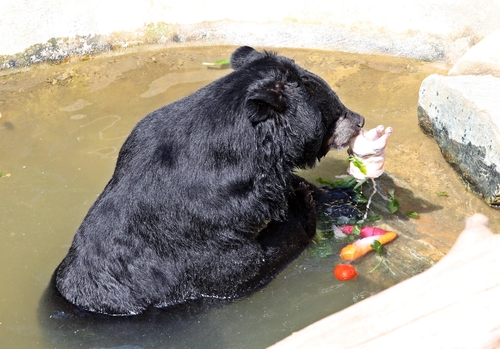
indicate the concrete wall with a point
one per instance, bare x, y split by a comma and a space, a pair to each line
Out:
438, 30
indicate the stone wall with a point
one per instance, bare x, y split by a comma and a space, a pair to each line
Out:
52, 30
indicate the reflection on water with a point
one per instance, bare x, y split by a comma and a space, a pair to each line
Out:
59, 138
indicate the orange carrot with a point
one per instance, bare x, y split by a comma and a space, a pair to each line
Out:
363, 246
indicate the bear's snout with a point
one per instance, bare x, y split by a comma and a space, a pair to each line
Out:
356, 119
361, 121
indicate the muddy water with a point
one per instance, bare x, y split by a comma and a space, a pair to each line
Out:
61, 128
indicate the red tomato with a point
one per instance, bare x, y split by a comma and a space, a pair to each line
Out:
345, 272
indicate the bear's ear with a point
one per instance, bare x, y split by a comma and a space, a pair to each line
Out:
267, 100
244, 55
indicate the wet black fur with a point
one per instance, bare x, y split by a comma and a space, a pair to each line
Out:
203, 201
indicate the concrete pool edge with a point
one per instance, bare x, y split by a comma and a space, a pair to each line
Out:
410, 44
69, 30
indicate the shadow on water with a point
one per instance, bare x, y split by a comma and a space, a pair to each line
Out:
331, 167
418, 204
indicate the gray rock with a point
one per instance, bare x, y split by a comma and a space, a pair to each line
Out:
462, 113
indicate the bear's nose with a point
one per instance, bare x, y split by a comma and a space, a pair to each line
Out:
361, 122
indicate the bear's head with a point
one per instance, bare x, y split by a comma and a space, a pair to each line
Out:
288, 102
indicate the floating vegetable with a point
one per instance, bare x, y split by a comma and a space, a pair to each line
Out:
377, 246
364, 232
413, 214
361, 247
220, 64
393, 203
345, 272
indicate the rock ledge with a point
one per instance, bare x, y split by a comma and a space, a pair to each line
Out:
462, 113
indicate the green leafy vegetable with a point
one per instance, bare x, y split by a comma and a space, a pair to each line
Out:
346, 182
360, 198
358, 163
442, 193
373, 218
356, 230
219, 62
321, 247
223, 61
360, 183
412, 214
325, 244
378, 247
393, 203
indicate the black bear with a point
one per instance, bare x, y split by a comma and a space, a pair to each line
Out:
203, 201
